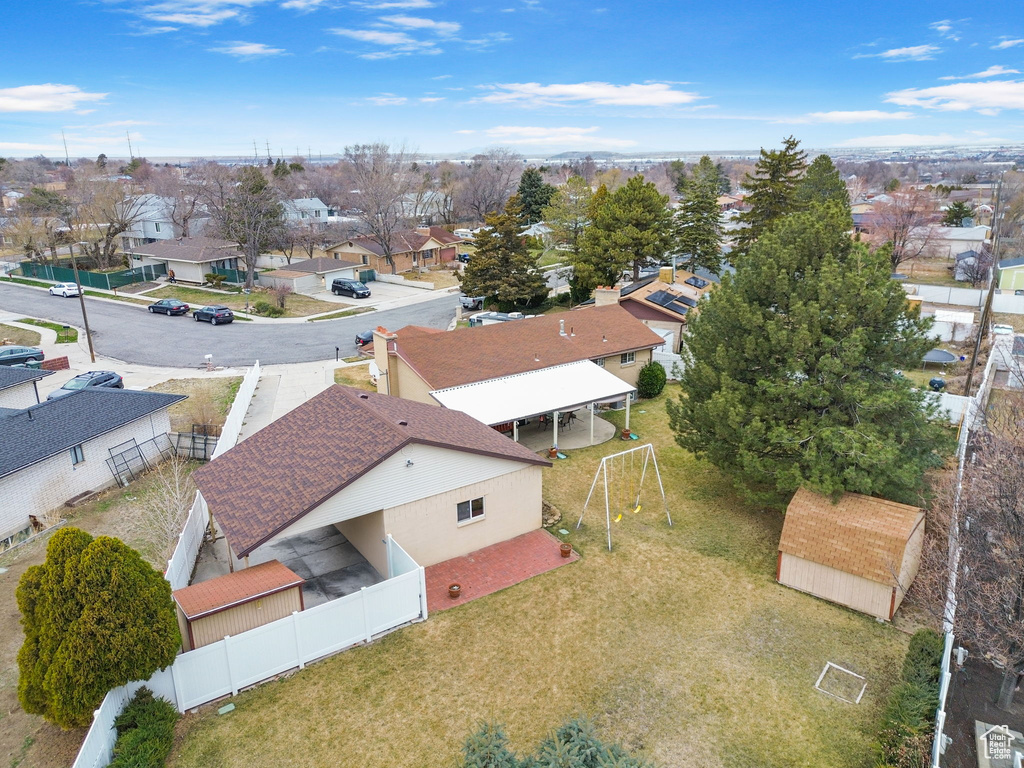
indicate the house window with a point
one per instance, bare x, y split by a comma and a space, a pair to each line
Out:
77, 455
470, 510
600, 361
366, 259
318, 213
627, 358
157, 225
303, 214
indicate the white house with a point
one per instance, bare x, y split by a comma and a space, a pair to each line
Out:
154, 223
56, 450
305, 210
18, 386
190, 258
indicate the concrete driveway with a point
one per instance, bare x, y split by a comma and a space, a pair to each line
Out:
381, 294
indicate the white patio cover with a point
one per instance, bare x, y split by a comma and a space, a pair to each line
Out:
524, 395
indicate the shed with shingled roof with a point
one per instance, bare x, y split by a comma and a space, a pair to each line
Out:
861, 552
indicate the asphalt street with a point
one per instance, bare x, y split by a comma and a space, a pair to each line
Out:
132, 334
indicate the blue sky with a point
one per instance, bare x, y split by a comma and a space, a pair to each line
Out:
195, 77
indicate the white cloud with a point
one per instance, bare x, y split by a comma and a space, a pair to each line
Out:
50, 97
431, 99
987, 97
945, 28
632, 95
197, 18
15, 146
245, 50
399, 43
911, 53
415, 22
992, 71
1007, 43
146, 31
853, 116
303, 5
918, 139
441, 77
387, 4
387, 100
524, 134
466, 131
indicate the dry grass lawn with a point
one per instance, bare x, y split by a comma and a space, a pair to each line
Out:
209, 400
357, 376
9, 334
296, 305
441, 278
679, 643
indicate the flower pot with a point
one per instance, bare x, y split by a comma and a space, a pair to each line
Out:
565, 549
625, 434
454, 590
552, 453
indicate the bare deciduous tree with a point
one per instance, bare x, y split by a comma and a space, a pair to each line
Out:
281, 292
381, 177
492, 179
100, 212
161, 513
903, 224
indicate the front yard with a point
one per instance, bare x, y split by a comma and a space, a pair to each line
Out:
209, 400
679, 643
296, 305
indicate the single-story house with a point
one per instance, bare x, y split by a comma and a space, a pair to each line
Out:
1011, 275
312, 275
19, 386
861, 552
56, 450
410, 249
967, 269
190, 258
440, 482
236, 602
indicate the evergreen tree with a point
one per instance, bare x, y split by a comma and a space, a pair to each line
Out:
534, 196
677, 175
771, 190
791, 370
822, 184
956, 213
95, 616
724, 183
698, 221
568, 214
502, 267
632, 229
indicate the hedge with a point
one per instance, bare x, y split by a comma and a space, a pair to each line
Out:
145, 732
909, 720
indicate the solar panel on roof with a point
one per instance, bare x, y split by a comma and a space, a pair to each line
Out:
696, 282
661, 298
686, 300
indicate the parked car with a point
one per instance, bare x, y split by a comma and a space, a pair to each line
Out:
90, 380
463, 257
364, 338
170, 307
214, 314
347, 287
472, 302
15, 355
64, 289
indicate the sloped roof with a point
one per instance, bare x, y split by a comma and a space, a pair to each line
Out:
321, 264
468, 355
30, 435
236, 588
196, 249
271, 479
1011, 263
860, 535
12, 377
406, 241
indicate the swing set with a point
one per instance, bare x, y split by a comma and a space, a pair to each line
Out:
621, 467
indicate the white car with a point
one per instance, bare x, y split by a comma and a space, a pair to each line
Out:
64, 289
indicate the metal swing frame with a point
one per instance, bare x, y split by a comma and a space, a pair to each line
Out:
602, 473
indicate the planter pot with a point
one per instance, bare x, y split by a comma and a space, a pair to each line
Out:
625, 434
454, 591
565, 549
552, 453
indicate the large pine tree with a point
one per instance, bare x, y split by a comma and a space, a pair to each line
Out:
771, 191
821, 184
698, 221
534, 196
791, 370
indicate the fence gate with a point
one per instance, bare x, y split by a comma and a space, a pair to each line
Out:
200, 443
129, 459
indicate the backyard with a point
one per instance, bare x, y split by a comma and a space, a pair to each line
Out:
296, 305
679, 643
209, 400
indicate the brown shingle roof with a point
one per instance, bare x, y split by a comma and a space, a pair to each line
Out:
235, 588
196, 249
320, 265
469, 355
405, 241
861, 535
274, 477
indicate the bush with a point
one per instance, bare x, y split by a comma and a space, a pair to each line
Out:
651, 380
909, 719
923, 663
267, 309
145, 732
214, 279
573, 745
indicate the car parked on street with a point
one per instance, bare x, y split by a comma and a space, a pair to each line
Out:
90, 380
18, 355
64, 289
364, 338
343, 286
170, 307
472, 302
215, 314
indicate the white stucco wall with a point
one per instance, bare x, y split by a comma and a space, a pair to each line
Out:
19, 396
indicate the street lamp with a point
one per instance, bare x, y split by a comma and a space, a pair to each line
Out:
81, 298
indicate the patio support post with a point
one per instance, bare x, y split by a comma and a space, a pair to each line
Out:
628, 398
593, 407
515, 430
554, 426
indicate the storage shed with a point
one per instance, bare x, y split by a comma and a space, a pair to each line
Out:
238, 602
860, 552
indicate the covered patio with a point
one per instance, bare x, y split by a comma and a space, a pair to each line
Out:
552, 407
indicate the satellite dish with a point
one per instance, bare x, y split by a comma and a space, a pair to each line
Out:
374, 372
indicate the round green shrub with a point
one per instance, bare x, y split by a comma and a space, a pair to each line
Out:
651, 380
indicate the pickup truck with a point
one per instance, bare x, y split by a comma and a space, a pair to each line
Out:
472, 302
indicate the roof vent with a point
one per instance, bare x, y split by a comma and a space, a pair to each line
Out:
403, 423
561, 328
603, 337
572, 331
364, 397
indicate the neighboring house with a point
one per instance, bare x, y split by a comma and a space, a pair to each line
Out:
153, 222
540, 230
190, 258
967, 269
19, 386
441, 483
305, 211
948, 241
59, 449
11, 198
411, 249
310, 276
861, 552
1011, 275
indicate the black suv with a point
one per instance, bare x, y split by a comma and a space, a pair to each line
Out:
90, 380
353, 288
215, 314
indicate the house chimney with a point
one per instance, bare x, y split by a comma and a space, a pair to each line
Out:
604, 296
561, 328
423, 231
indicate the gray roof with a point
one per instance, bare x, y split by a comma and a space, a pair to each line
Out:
1009, 263
200, 250
30, 435
12, 377
321, 264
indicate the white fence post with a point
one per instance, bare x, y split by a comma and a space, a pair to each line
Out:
423, 593
298, 640
366, 615
227, 665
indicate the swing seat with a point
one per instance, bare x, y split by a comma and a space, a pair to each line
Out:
638, 508
617, 519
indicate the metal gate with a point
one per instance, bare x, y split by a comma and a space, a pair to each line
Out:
128, 460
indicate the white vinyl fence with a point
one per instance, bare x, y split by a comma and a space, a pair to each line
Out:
233, 423
672, 363
966, 297
229, 665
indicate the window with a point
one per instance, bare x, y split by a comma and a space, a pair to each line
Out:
627, 358
470, 510
157, 225
318, 213
366, 259
600, 361
77, 455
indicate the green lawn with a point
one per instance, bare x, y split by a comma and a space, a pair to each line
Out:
343, 313
296, 304
679, 643
68, 337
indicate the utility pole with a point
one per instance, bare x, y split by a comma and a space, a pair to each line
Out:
987, 309
67, 158
81, 301
131, 154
